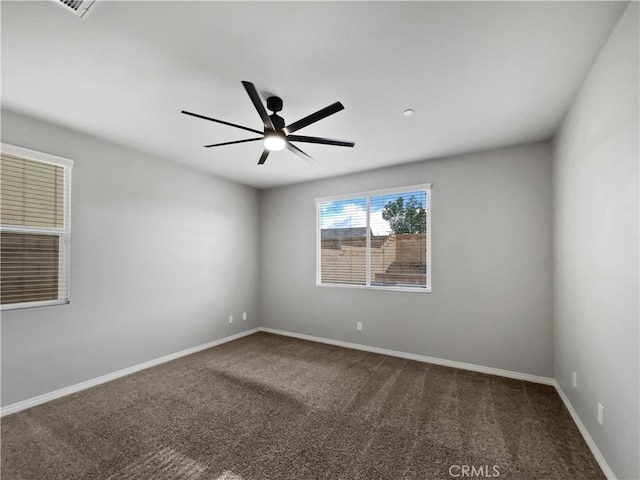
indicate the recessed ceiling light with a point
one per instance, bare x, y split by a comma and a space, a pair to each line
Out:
407, 112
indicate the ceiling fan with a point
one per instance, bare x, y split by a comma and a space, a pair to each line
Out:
277, 135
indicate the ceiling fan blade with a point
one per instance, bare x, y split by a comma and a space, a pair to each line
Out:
324, 141
299, 152
314, 117
222, 122
263, 157
236, 141
257, 102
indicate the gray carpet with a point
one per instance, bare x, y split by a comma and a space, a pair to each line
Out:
270, 407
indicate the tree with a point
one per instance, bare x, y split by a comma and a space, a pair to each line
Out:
409, 218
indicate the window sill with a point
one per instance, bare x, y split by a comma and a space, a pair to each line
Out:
20, 306
426, 289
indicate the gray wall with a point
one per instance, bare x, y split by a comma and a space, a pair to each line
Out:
596, 248
491, 303
161, 255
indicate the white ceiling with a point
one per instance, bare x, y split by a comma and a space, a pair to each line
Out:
478, 75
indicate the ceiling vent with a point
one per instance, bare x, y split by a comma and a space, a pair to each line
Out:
77, 7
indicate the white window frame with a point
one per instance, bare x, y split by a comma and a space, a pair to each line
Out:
374, 193
64, 233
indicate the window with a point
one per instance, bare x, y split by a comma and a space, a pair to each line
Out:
35, 228
376, 239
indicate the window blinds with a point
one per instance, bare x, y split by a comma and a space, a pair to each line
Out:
30, 267
378, 239
399, 258
343, 242
35, 231
32, 193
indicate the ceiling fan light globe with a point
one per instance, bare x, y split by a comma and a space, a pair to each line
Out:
274, 142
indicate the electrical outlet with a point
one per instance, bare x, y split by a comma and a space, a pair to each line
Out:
244, 315
601, 414
359, 326
230, 318
574, 380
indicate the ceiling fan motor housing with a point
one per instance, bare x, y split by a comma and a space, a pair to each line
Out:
278, 122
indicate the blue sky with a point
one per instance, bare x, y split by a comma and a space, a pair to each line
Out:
353, 212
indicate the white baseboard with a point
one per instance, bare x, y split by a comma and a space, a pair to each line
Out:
47, 397
606, 469
420, 358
